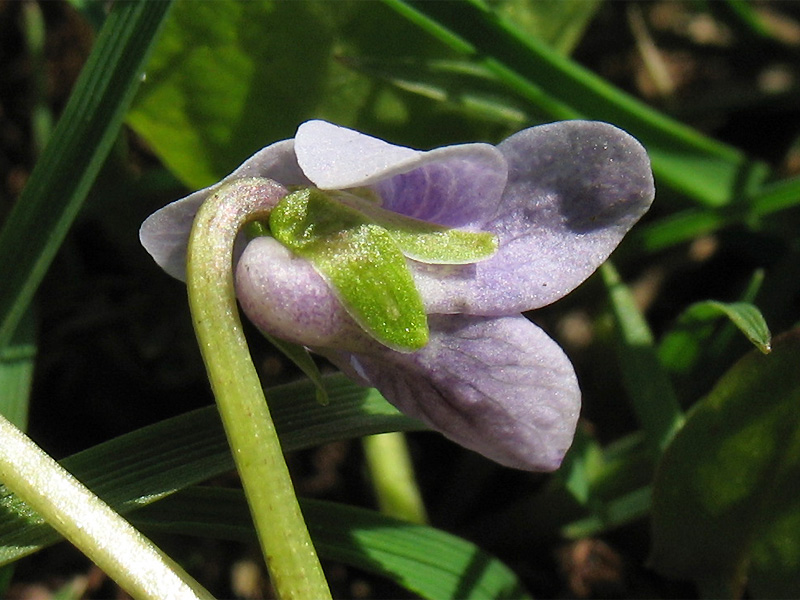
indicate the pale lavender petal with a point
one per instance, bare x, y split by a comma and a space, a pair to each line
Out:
165, 233
499, 386
574, 189
335, 157
284, 296
457, 186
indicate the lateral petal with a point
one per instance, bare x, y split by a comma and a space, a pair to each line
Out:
574, 190
165, 233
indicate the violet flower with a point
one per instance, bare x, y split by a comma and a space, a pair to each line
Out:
558, 198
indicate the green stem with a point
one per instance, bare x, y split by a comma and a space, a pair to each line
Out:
282, 532
392, 475
112, 543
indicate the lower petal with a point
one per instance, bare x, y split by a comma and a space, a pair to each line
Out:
498, 386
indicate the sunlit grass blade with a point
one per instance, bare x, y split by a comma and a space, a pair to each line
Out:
649, 388
710, 172
150, 463
427, 561
77, 149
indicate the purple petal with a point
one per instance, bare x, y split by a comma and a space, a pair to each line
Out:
499, 386
284, 296
457, 186
574, 190
165, 233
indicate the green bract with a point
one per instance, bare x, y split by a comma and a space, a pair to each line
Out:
361, 251
360, 261
423, 241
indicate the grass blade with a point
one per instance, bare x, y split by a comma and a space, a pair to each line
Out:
151, 463
69, 164
427, 561
649, 388
710, 172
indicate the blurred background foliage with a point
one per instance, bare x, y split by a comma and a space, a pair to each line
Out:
713, 91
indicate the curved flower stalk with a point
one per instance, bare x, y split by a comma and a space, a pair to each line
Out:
557, 200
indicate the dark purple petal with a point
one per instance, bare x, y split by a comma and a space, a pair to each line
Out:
574, 189
165, 233
456, 186
499, 386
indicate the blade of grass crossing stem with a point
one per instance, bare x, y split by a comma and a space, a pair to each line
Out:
649, 389
427, 561
147, 464
77, 149
710, 172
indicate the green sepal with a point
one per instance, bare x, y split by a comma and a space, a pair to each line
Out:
422, 241
360, 260
303, 361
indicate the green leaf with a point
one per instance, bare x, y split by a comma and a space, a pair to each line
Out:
77, 149
151, 463
648, 386
422, 241
427, 561
361, 262
726, 498
230, 77
744, 315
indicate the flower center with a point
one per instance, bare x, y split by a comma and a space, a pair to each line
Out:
362, 251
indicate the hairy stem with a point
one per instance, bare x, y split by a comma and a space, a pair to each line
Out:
282, 532
112, 543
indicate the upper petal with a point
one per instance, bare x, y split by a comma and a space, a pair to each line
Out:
574, 190
165, 233
456, 186
499, 386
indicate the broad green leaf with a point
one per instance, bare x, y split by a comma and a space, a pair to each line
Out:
151, 463
726, 498
423, 241
230, 77
227, 78
648, 386
361, 262
58, 185
457, 85
427, 561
